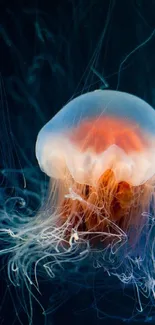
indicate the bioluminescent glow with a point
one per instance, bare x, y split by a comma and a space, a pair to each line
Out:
99, 152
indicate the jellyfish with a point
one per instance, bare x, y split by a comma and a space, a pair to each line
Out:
97, 220
100, 149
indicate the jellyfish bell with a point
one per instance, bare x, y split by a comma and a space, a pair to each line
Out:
101, 146
97, 131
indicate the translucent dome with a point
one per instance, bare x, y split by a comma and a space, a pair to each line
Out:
97, 131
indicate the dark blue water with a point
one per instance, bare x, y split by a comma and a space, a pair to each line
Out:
51, 51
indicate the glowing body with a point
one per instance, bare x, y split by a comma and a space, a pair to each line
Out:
99, 152
101, 146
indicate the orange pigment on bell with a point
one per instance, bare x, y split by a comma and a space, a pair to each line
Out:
99, 134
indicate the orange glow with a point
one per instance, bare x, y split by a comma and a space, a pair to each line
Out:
109, 205
100, 148
101, 133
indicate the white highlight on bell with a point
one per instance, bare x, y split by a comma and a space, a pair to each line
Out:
87, 167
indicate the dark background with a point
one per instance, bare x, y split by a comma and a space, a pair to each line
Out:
51, 51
